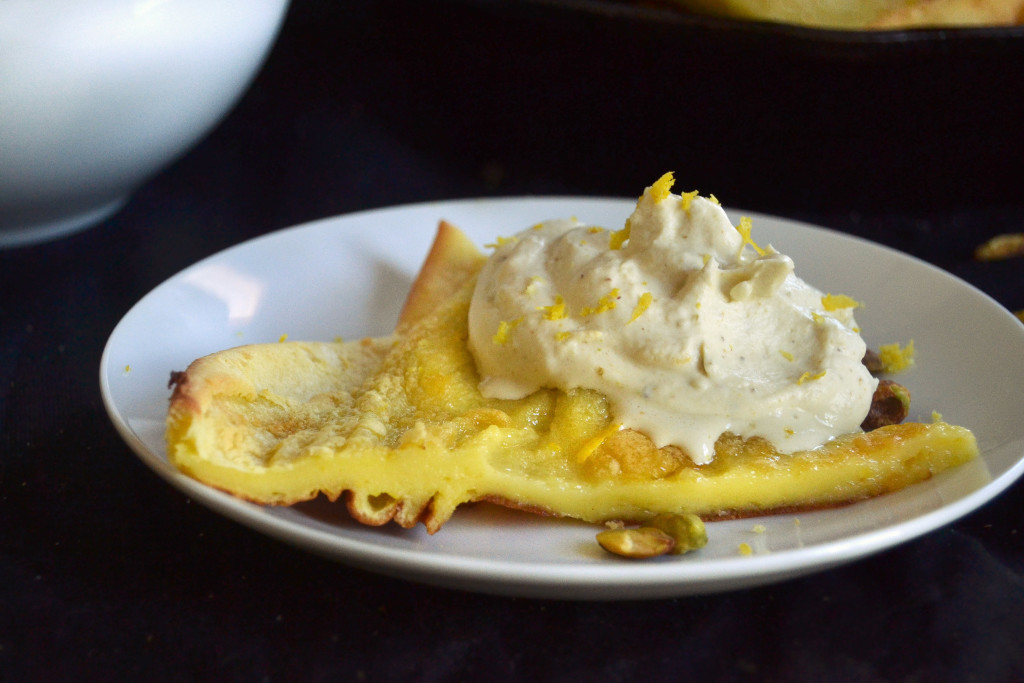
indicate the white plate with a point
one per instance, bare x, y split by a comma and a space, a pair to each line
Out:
347, 277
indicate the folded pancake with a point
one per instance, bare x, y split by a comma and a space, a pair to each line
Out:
398, 428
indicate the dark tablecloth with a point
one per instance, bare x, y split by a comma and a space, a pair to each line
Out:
108, 573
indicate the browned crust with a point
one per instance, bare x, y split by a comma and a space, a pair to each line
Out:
452, 260
402, 512
188, 393
181, 396
364, 514
522, 507
720, 516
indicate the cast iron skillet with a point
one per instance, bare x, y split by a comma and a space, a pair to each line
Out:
660, 17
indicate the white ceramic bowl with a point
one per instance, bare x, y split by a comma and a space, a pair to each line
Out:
96, 96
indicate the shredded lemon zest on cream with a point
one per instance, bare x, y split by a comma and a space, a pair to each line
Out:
617, 238
562, 336
786, 354
688, 198
588, 448
745, 549
808, 377
604, 304
834, 302
641, 305
662, 187
505, 328
555, 311
501, 241
744, 228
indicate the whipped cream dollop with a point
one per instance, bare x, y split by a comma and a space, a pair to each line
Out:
680, 319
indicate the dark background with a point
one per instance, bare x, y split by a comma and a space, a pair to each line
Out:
106, 572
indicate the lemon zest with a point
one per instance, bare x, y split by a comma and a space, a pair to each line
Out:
555, 311
502, 241
505, 328
617, 238
688, 198
808, 377
896, 358
604, 304
744, 228
835, 302
662, 187
591, 445
641, 305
